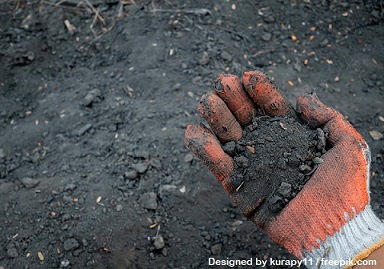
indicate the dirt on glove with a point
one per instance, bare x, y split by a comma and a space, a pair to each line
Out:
274, 159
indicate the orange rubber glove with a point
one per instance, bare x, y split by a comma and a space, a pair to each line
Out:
330, 218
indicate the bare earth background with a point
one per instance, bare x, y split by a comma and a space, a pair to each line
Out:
94, 100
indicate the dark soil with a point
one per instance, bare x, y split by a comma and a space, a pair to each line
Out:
92, 118
274, 159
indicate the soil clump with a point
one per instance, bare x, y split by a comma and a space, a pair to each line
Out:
275, 158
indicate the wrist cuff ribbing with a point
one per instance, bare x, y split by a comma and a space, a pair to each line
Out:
358, 238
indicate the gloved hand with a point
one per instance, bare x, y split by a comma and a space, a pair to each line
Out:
330, 217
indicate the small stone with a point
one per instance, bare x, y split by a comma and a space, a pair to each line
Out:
188, 158
216, 249
204, 58
285, 189
70, 187
64, 263
230, 148
131, 174
166, 188
226, 56
92, 97
269, 19
317, 160
12, 252
305, 168
149, 200
30, 182
241, 161
276, 204
321, 137
159, 242
376, 135
140, 167
119, 208
297, 66
266, 37
142, 154
71, 244
84, 129
2, 154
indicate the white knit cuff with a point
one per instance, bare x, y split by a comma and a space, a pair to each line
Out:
340, 250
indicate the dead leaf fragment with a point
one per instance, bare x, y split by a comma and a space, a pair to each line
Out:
376, 135
40, 255
345, 14
329, 61
293, 37
290, 82
251, 149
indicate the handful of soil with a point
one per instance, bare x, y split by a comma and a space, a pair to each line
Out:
275, 158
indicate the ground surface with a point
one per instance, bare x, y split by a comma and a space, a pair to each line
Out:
92, 161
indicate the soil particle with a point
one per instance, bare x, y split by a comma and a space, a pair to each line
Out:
131, 174
216, 249
149, 200
159, 242
30, 183
71, 244
140, 167
286, 153
85, 128
12, 252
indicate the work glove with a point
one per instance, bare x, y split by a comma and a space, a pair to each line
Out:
331, 217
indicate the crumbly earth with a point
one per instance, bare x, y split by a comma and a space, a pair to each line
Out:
275, 158
92, 118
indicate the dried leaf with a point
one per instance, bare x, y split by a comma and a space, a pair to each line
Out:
290, 83
251, 149
293, 37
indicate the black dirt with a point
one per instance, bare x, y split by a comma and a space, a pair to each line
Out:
274, 159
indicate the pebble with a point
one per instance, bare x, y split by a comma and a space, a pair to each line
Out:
12, 252
64, 264
131, 174
2, 154
188, 158
84, 129
204, 58
216, 249
226, 56
269, 19
241, 161
70, 187
149, 200
30, 182
230, 147
71, 244
140, 167
159, 242
119, 208
276, 203
266, 37
376, 135
92, 97
285, 189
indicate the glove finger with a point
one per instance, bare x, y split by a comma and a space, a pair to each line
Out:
219, 117
231, 91
203, 143
265, 95
316, 114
